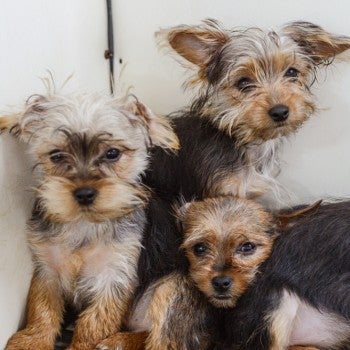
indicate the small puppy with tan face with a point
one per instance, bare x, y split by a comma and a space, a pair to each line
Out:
89, 216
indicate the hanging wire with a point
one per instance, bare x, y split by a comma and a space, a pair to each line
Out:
109, 53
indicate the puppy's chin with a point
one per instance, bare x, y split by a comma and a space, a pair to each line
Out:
114, 200
224, 301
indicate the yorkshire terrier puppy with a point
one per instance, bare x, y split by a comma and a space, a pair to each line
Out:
254, 89
89, 215
302, 295
225, 240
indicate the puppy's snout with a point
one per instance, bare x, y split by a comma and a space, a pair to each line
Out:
221, 283
85, 195
279, 113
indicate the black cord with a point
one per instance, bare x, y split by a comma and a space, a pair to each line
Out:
109, 53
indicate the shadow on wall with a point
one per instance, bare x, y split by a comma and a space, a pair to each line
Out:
15, 263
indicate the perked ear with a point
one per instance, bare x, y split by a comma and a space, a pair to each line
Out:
24, 125
181, 212
197, 44
287, 218
8, 122
318, 44
159, 128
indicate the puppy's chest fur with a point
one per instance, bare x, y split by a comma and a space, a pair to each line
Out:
85, 258
211, 163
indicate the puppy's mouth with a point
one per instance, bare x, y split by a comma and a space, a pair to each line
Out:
279, 125
222, 297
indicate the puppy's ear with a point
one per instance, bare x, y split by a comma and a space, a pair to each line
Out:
25, 124
181, 211
8, 122
159, 128
285, 219
318, 44
197, 44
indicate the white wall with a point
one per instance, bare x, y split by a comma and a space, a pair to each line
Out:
66, 37
316, 159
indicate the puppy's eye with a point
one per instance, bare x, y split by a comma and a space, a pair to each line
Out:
247, 248
56, 156
200, 249
112, 155
291, 73
244, 84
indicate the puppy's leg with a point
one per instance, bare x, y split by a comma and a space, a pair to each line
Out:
100, 320
297, 347
106, 286
45, 313
124, 341
177, 316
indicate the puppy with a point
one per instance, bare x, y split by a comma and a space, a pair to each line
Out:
254, 89
225, 240
302, 296
89, 215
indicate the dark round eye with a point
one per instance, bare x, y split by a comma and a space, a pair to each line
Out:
56, 156
199, 249
291, 73
244, 84
247, 248
112, 154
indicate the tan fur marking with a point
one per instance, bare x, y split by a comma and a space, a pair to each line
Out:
157, 311
9, 121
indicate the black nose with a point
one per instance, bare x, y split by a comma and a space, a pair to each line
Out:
221, 283
85, 195
279, 113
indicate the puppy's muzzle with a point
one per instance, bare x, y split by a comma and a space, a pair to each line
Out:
85, 195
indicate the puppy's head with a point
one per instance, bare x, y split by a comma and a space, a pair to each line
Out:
91, 151
225, 240
255, 83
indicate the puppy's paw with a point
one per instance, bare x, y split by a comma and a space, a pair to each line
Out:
114, 342
124, 341
80, 346
24, 340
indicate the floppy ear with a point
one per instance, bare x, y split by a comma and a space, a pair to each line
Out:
284, 219
318, 44
159, 128
197, 44
24, 125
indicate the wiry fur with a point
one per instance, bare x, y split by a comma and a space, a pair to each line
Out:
85, 254
229, 141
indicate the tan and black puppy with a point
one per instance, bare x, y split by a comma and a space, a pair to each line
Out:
89, 215
253, 90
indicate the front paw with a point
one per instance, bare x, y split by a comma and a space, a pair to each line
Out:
124, 341
80, 346
112, 343
25, 340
